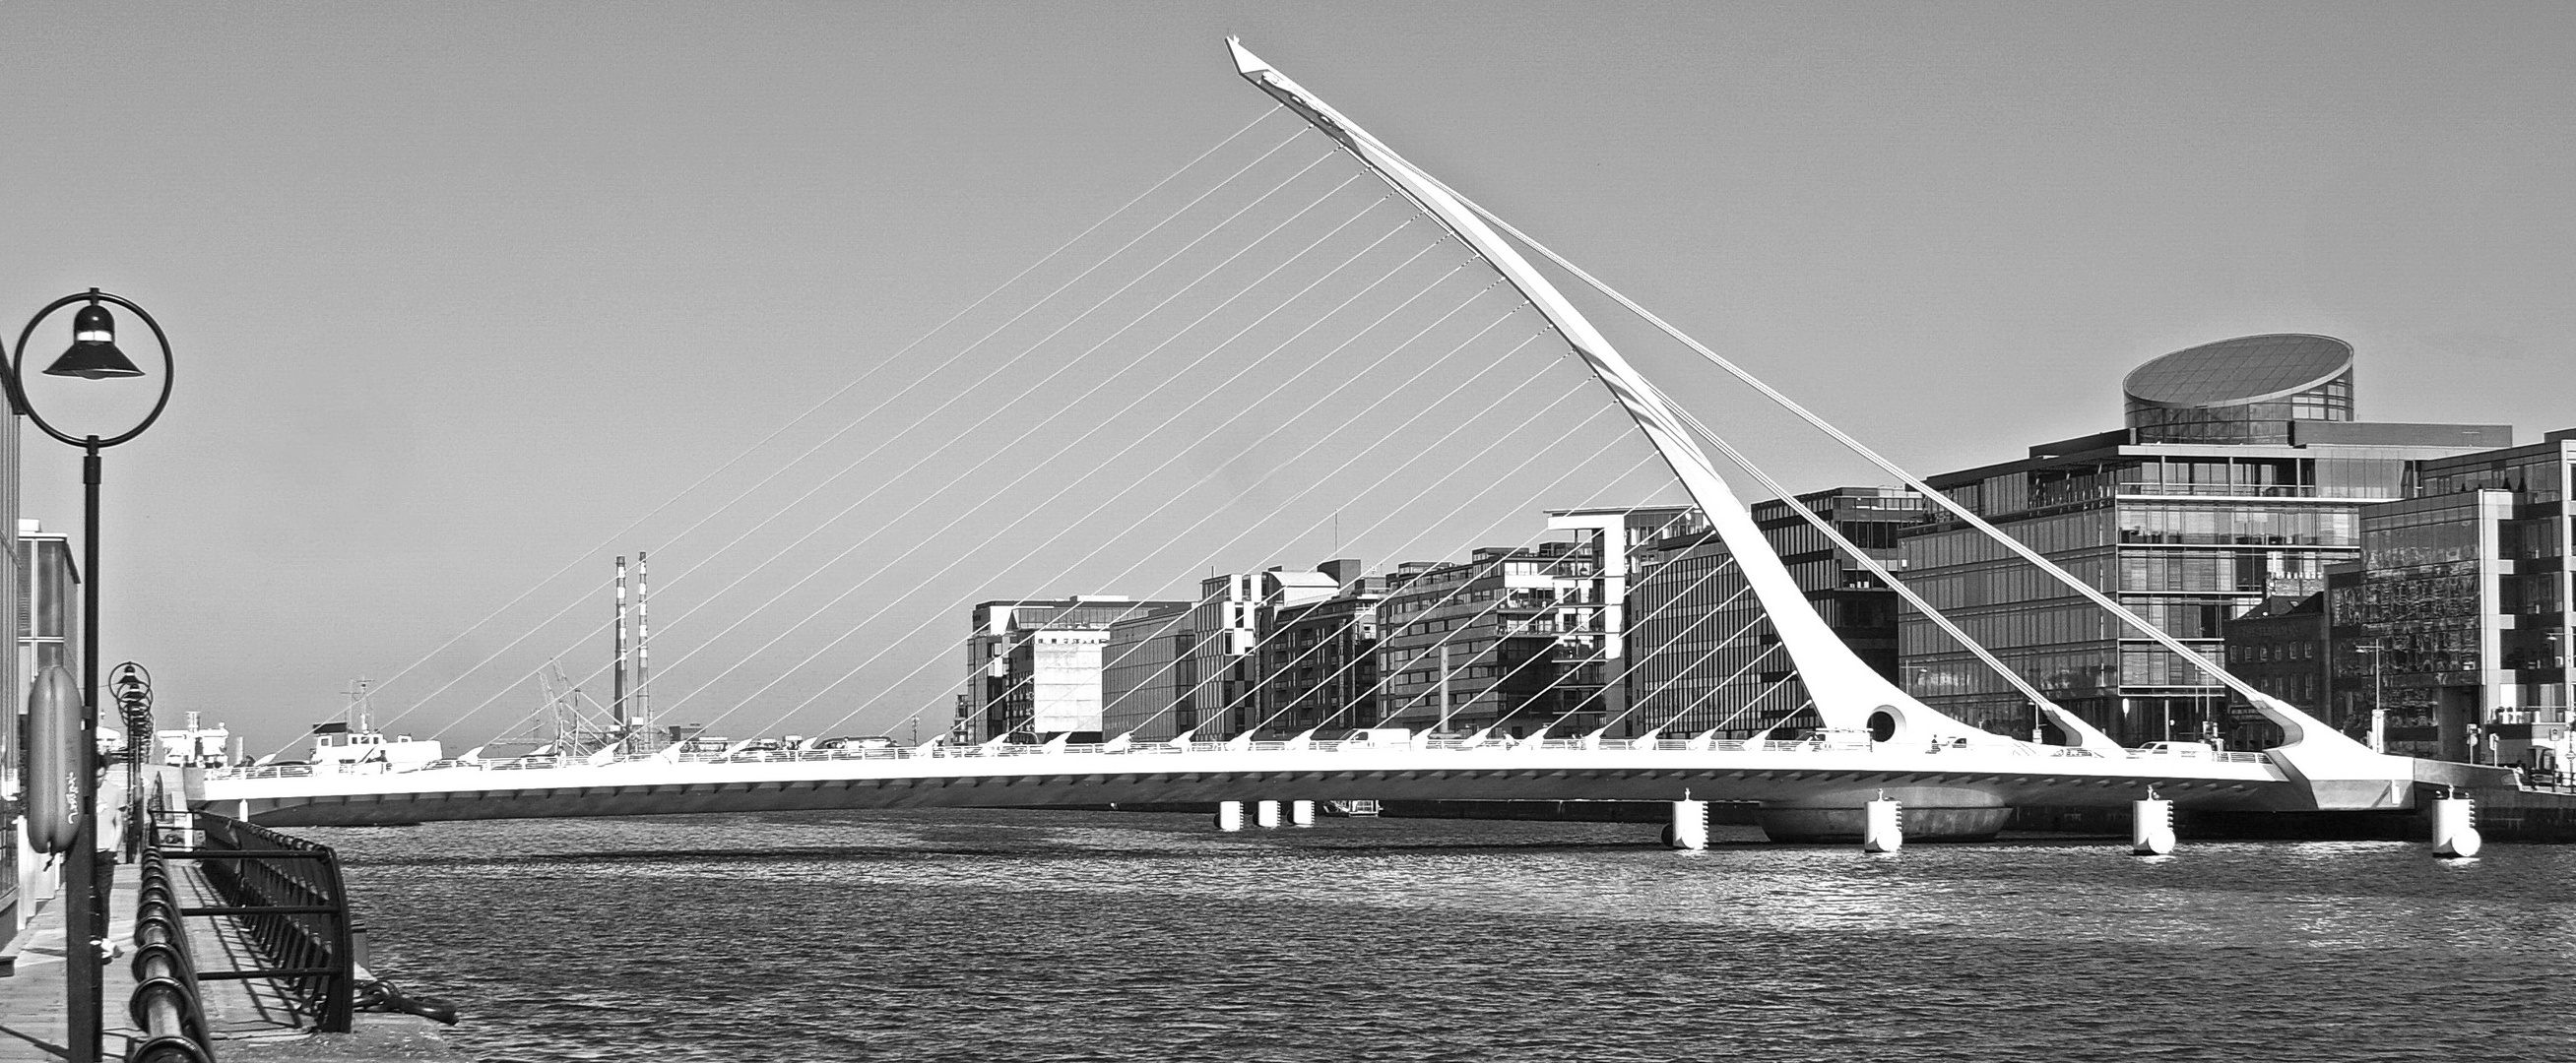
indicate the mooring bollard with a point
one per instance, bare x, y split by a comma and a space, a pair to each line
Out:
1265, 814
2151, 830
1301, 813
1690, 825
1229, 815
1883, 831
2455, 829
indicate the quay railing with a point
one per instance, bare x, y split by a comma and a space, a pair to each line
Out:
943, 751
166, 1004
286, 894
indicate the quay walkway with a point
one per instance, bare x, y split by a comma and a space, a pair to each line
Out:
248, 1020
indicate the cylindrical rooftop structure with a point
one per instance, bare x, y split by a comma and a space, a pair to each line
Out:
2244, 390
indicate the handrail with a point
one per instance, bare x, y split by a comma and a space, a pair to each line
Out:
286, 892
166, 1004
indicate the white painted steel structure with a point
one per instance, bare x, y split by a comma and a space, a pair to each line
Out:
1783, 774
1921, 760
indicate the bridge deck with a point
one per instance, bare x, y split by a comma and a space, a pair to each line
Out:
1783, 774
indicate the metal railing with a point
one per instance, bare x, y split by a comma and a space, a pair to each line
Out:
1153, 747
166, 1005
286, 894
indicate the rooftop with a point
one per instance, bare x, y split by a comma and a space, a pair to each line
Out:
2241, 370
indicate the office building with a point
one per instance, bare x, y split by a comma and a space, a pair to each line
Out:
2239, 477
2453, 624
1035, 664
1518, 639
1275, 652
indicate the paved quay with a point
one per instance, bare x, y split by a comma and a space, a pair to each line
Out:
250, 1021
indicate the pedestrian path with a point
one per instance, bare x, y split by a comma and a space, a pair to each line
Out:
239, 1014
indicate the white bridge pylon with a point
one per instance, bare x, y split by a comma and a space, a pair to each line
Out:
1849, 695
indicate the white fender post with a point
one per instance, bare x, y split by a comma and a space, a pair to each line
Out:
1883, 831
1229, 816
1690, 824
1265, 814
2151, 831
2455, 830
1301, 813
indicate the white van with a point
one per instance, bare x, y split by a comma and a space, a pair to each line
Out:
2193, 750
1378, 738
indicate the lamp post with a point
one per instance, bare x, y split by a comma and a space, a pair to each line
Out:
93, 355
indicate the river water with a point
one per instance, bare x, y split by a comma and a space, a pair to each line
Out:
1055, 936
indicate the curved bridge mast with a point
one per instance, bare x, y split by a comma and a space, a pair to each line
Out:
1849, 695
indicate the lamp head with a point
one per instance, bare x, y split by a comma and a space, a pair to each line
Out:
93, 352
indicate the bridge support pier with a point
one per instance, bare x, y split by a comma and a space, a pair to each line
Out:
1301, 813
1883, 830
1689, 829
2151, 830
1265, 814
2455, 831
1229, 816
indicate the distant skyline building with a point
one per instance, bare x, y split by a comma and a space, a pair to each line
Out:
2239, 477
1518, 638
1035, 664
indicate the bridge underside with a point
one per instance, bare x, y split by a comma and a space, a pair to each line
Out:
1820, 781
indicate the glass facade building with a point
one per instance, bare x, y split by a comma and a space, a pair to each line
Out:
2460, 605
2239, 479
2245, 390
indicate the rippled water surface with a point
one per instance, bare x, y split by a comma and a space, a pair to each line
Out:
1047, 936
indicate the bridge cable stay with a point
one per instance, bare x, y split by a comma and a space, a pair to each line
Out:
1759, 655
1025, 434
1460, 627
1140, 440
1317, 483
844, 389
1030, 390
818, 694
1316, 439
1696, 703
1191, 694
959, 394
2297, 725
1025, 393
834, 396
1176, 618
2085, 734
1383, 397
1464, 585
1600, 655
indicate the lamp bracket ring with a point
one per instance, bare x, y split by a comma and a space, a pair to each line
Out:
18, 391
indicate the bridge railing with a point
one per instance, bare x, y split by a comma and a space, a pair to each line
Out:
1152, 748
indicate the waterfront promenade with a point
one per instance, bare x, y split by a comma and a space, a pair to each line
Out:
249, 1020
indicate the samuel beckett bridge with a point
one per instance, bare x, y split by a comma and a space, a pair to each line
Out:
1880, 763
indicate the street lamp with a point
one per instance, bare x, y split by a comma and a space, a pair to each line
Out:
93, 355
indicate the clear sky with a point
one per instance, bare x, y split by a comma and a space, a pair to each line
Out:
459, 291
